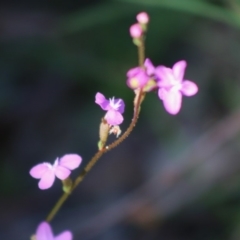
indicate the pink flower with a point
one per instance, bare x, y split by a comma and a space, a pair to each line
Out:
142, 78
44, 232
114, 108
172, 86
137, 78
46, 172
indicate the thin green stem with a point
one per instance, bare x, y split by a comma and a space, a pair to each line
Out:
98, 155
141, 52
57, 206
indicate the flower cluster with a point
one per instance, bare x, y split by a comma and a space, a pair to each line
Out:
169, 82
171, 86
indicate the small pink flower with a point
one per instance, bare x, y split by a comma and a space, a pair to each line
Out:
137, 78
114, 108
140, 78
143, 18
172, 86
136, 31
46, 172
44, 232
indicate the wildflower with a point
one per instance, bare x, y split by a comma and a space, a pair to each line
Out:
135, 31
143, 18
46, 172
44, 232
172, 86
139, 77
114, 108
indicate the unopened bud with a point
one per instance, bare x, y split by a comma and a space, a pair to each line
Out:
136, 31
143, 18
103, 133
33, 237
67, 185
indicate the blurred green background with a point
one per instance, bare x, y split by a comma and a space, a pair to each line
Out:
175, 177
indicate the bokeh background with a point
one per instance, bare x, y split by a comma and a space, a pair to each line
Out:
175, 177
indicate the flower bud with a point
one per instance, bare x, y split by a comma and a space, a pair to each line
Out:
67, 185
103, 133
143, 18
136, 31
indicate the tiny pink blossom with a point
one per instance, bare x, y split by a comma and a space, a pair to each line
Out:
140, 78
172, 86
46, 172
114, 108
137, 78
135, 31
143, 18
44, 232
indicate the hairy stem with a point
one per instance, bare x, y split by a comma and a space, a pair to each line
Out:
141, 52
98, 155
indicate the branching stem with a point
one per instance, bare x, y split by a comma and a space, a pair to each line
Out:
97, 156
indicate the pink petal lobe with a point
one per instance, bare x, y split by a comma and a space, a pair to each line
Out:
44, 232
133, 71
113, 117
165, 76
189, 88
172, 101
70, 161
101, 101
179, 70
122, 105
149, 67
47, 180
62, 172
162, 93
38, 170
66, 235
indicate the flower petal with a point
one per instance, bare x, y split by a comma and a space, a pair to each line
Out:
66, 235
113, 117
164, 76
121, 105
62, 172
172, 101
179, 70
38, 170
133, 72
149, 67
189, 88
162, 93
70, 161
44, 232
47, 179
101, 101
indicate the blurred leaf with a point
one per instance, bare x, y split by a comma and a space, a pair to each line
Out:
199, 8
98, 14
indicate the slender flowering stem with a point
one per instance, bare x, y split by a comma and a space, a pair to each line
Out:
97, 156
141, 52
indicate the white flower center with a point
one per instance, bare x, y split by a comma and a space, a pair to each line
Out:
114, 105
